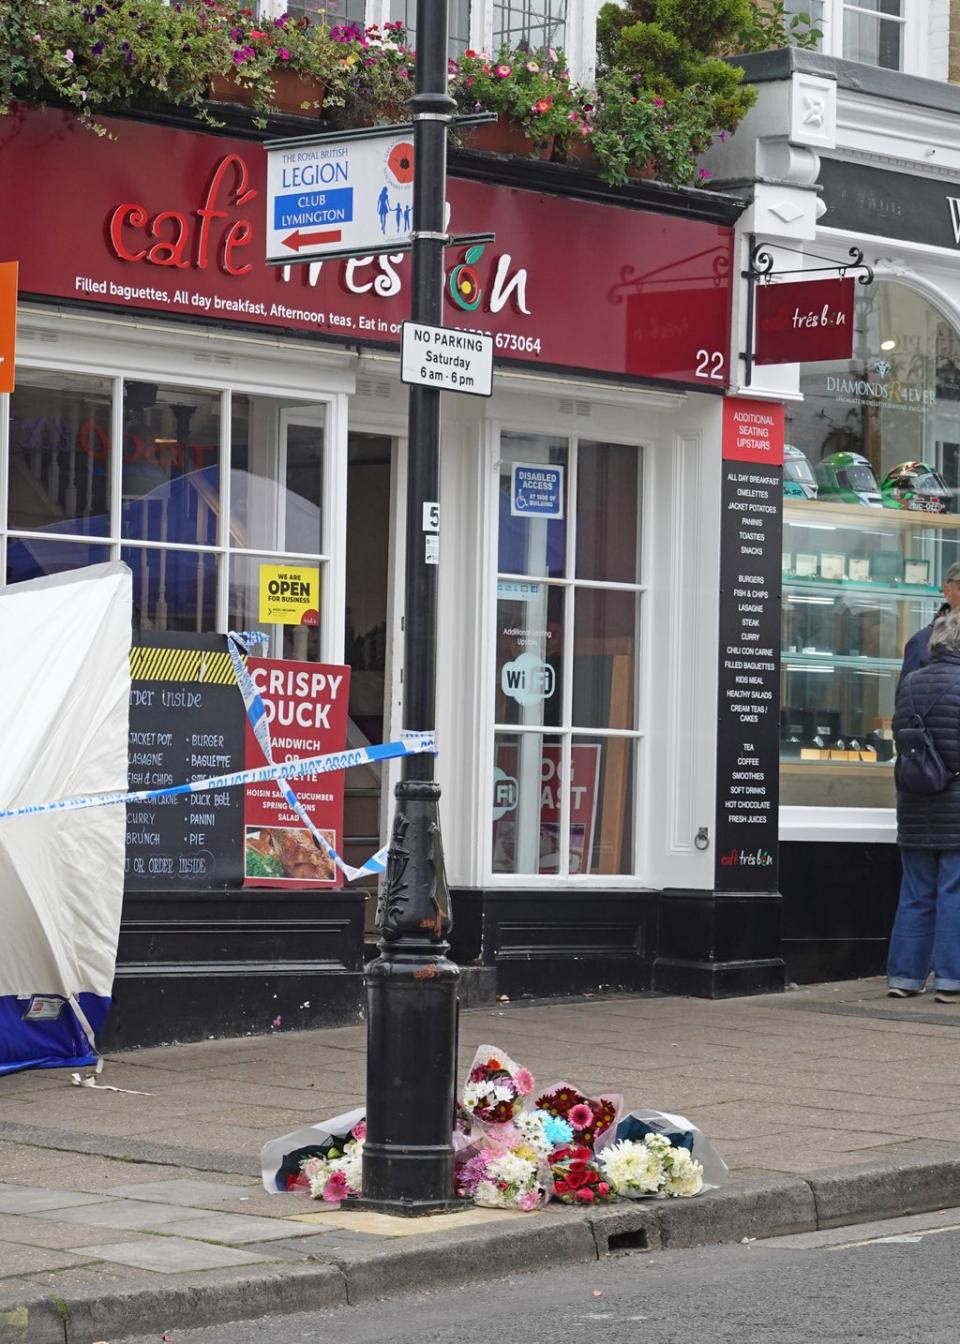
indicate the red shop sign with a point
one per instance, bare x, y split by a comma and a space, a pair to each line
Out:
753, 430
806, 321
306, 706
171, 221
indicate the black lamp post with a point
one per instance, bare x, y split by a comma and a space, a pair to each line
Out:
412, 986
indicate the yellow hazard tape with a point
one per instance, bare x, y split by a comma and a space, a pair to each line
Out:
211, 667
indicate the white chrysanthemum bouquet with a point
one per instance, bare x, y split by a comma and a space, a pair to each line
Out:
650, 1167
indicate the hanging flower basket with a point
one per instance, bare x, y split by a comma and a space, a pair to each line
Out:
576, 154
643, 171
506, 136
292, 92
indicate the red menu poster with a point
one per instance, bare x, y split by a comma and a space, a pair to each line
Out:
306, 708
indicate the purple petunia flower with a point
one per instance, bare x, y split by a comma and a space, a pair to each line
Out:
97, 48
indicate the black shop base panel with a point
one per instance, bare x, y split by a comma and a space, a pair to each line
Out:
210, 964
547, 944
201, 964
839, 901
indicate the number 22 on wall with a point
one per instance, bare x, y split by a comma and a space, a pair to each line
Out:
710, 365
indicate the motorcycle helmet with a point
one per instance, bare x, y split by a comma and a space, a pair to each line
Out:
848, 477
799, 481
918, 487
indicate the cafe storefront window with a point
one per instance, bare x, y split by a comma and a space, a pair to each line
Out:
569, 620
871, 524
202, 491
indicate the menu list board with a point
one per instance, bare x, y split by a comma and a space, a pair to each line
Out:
749, 654
187, 722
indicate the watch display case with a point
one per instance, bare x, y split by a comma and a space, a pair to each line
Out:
858, 581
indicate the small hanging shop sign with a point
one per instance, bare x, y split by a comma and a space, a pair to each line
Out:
805, 320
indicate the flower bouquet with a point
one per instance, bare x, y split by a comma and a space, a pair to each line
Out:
577, 1177
593, 1119
682, 1133
511, 1179
282, 1160
495, 1088
651, 1167
334, 1177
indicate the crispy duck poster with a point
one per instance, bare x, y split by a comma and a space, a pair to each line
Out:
306, 706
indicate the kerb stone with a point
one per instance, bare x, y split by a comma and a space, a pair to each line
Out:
883, 1189
753, 1206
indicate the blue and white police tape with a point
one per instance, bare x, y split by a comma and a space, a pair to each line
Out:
410, 744
238, 643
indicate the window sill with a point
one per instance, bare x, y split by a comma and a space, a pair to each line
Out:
839, 825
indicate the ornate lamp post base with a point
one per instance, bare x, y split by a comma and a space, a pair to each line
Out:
411, 1022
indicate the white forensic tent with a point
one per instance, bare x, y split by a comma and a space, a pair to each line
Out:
64, 708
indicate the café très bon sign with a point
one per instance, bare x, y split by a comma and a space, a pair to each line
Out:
804, 321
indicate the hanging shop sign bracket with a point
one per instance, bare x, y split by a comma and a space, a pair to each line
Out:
800, 321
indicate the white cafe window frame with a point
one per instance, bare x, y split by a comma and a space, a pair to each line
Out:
566, 731
581, 27
111, 348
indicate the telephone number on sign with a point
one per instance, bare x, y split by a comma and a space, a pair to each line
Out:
506, 340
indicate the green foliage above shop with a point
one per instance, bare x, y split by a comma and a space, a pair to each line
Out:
664, 90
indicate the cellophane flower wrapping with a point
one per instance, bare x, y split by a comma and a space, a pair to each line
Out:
593, 1119
650, 1168
340, 1174
578, 1178
282, 1160
512, 1179
501, 1161
496, 1086
682, 1133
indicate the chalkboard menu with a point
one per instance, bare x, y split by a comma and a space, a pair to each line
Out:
749, 672
187, 722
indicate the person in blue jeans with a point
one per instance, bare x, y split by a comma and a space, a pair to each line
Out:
926, 931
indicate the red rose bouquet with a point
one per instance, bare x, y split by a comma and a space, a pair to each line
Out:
577, 1179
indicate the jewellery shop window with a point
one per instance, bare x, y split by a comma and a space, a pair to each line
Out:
203, 540
569, 610
871, 525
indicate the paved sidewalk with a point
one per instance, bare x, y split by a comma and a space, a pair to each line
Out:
124, 1212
